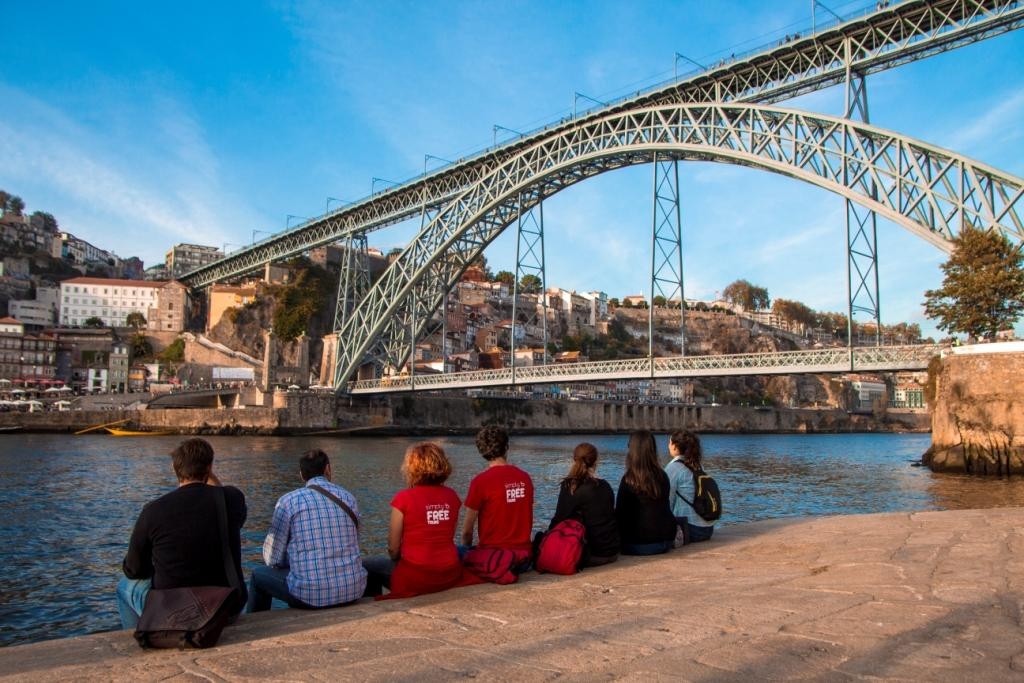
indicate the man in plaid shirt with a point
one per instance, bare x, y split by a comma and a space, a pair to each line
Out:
312, 548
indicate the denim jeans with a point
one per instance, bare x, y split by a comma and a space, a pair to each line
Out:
131, 598
378, 574
268, 583
646, 548
698, 533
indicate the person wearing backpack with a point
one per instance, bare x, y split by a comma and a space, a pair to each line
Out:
643, 507
584, 497
683, 473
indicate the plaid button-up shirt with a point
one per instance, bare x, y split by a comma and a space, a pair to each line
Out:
316, 540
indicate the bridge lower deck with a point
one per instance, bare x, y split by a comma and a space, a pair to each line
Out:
813, 361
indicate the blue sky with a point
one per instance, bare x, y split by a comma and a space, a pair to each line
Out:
141, 126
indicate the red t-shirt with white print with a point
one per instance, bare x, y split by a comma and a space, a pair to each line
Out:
430, 514
503, 498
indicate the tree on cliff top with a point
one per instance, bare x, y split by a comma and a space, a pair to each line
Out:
983, 288
749, 296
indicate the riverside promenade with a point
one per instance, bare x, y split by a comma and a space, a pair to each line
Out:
932, 596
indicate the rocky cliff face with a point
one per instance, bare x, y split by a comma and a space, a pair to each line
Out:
978, 414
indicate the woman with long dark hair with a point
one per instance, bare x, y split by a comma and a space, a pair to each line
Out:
643, 508
684, 447
585, 497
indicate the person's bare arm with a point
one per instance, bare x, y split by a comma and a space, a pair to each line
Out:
212, 479
467, 526
395, 534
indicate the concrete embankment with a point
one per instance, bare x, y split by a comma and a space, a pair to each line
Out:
298, 413
978, 411
935, 596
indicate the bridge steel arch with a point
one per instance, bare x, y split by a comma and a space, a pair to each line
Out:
896, 34
929, 191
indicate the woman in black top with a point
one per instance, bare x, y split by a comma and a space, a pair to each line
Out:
643, 508
591, 501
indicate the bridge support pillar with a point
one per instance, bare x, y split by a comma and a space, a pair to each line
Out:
861, 224
530, 262
353, 284
666, 249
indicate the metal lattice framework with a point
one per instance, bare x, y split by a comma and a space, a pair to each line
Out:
666, 247
530, 261
928, 190
900, 33
831, 360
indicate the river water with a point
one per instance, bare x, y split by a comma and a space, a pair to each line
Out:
69, 503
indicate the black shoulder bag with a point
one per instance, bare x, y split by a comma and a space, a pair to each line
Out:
192, 617
339, 502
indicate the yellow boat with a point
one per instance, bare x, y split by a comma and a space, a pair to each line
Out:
126, 432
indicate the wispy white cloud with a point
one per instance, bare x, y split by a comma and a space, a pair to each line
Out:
998, 125
163, 189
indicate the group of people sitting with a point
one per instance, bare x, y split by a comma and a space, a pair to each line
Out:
311, 551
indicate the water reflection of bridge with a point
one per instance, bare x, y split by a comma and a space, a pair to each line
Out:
833, 360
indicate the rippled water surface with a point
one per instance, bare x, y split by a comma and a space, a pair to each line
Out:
69, 502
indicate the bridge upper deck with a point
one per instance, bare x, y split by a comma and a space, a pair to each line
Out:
867, 43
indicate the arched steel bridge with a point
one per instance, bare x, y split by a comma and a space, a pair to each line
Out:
880, 40
929, 191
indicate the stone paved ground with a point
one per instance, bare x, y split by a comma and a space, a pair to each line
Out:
909, 596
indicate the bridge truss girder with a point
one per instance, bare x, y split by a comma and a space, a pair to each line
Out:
804, 361
530, 261
925, 189
883, 39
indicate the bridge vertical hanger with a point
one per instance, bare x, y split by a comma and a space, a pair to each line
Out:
353, 284
666, 248
530, 261
861, 224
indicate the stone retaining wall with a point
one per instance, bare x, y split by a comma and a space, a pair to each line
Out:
978, 413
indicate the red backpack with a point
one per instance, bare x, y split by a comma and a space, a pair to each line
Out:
561, 548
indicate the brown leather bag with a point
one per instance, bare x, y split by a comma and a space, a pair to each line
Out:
192, 616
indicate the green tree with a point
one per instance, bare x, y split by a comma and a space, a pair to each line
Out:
749, 296
141, 348
93, 322
505, 277
135, 320
530, 284
659, 301
15, 205
794, 311
43, 220
613, 302
174, 353
983, 288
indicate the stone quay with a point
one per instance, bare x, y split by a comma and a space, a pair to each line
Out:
935, 596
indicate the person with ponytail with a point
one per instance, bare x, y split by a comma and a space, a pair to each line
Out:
590, 500
643, 508
684, 447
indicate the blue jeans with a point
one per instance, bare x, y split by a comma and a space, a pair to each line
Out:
698, 533
378, 574
268, 583
131, 598
646, 548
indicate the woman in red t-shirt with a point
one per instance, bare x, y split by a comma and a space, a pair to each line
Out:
422, 553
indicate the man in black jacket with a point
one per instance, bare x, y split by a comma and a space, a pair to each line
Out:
176, 542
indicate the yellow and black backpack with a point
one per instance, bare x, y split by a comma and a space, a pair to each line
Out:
707, 501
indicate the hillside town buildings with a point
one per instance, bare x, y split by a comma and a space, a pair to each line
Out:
183, 258
162, 304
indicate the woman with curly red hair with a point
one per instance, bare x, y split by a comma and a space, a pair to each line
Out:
422, 557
